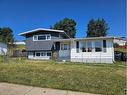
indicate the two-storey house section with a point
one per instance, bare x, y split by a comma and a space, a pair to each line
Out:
44, 43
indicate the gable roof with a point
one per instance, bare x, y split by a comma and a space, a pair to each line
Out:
40, 29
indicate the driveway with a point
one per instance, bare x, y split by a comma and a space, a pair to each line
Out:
15, 89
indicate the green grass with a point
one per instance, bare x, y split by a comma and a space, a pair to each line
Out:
93, 78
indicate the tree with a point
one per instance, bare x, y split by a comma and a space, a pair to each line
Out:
91, 28
6, 35
97, 28
115, 45
68, 25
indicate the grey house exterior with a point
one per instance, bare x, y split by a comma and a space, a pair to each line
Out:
47, 44
55, 44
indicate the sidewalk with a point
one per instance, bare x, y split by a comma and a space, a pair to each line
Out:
15, 89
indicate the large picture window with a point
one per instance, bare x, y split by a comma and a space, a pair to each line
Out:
98, 46
41, 37
83, 47
89, 46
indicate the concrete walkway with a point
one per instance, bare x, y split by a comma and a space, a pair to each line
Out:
15, 89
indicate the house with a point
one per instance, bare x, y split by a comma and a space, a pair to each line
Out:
48, 43
19, 43
120, 41
3, 48
19, 49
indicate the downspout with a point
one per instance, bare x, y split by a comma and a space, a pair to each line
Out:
113, 53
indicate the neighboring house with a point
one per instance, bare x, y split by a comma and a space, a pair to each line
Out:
19, 49
19, 43
3, 48
120, 41
48, 43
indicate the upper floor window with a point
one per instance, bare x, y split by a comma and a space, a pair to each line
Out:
41, 37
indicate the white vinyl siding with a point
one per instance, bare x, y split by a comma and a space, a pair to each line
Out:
93, 57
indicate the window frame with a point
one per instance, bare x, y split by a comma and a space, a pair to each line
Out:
91, 48
46, 52
46, 36
97, 45
83, 46
62, 46
104, 46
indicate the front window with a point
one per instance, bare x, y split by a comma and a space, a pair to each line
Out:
48, 37
48, 53
104, 45
83, 46
89, 46
38, 54
64, 46
35, 37
98, 46
42, 54
41, 37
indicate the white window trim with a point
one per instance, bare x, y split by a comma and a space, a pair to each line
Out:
93, 46
101, 46
42, 52
42, 35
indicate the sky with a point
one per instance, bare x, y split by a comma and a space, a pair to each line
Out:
25, 15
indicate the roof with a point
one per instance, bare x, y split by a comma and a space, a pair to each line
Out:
40, 29
80, 39
94, 38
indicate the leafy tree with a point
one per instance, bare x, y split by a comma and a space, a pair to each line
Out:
97, 28
115, 45
91, 28
68, 25
6, 35
126, 43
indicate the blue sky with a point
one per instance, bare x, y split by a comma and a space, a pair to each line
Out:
24, 15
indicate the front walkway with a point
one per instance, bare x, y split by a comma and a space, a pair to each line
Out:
15, 89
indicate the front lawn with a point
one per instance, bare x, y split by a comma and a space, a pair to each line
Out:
105, 79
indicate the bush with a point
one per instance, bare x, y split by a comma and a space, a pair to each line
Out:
116, 45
